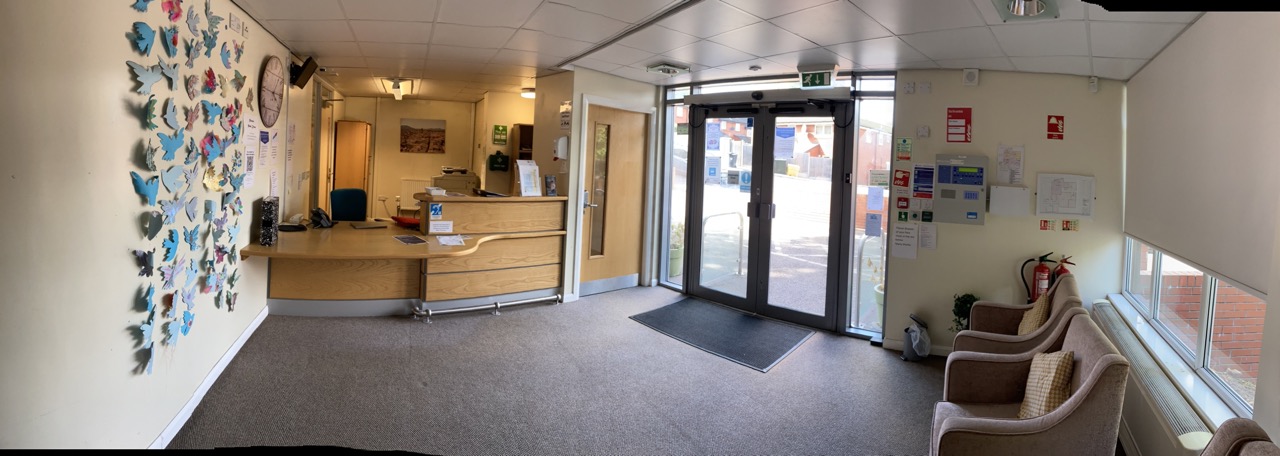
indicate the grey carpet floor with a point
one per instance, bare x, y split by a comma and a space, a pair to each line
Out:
575, 378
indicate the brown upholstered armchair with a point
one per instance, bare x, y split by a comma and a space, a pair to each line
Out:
982, 392
1240, 437
993, 327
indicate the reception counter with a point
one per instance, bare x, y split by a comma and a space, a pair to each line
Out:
512, 247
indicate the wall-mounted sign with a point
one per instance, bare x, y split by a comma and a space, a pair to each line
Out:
1057, 128
499, 135
959, 125
816, 79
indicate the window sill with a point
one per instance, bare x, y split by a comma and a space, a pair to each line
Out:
1211, 407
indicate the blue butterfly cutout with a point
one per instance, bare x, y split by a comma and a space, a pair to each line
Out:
233, 254
192, 237
220, 222
149, 155
235, 134
173, 329
208, 210
141, 5
193, 20
143, 37
149, 112
170, 144
213, 20
171, 246
168, 273
237, 81
146, 261
171, 115
154, 222
170, 37
191, 209
147, 76
226, 56
231, 301
172, 179
187, 319
170, 72
239, 48
211, 112
234, 233
221, 251
147, 188
150, 297
191, 176
217, 147
146, 330
193, 155
210, 42
233, 278
192, 274
189, 295
194, 47
228, 197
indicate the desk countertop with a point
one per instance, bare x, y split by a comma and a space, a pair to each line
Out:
344, 242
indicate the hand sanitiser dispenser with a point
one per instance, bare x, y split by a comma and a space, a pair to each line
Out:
961, 189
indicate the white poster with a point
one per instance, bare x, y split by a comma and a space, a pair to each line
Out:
928, 236
1064, 195
1009, 159
249, 166
905, 239
529, 182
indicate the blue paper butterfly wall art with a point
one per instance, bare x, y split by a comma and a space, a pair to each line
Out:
170, 251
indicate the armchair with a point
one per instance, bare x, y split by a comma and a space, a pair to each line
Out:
1240, 437
982, 393
993, 327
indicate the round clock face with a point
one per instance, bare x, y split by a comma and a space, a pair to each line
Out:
271, 91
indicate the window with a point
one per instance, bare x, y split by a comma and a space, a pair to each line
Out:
1215, 325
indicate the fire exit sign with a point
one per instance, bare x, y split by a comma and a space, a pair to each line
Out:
816, 79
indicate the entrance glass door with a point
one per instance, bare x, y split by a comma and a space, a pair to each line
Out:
764, 213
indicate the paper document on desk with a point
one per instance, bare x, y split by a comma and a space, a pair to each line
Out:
451, 240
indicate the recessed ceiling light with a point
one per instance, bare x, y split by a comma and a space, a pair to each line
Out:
1026, 10
528, 92
669, 69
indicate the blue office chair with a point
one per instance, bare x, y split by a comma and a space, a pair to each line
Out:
349, 204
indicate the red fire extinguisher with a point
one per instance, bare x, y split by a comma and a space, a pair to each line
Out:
1041, 277
1061, 270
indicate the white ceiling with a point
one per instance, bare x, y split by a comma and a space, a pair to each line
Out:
461, 49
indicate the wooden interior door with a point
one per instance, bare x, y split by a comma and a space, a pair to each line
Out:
614, 186
351, 155
324, 182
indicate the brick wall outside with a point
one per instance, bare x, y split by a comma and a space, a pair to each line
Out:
1238, 319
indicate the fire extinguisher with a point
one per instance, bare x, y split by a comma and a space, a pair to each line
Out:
1041, 277
1061, 270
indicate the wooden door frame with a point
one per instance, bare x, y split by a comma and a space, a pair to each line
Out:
572, 280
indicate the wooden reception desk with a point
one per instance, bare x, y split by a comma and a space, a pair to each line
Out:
511, 245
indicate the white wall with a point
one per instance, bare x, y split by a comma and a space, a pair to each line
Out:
69, 277
499, 109
389, 164
1009, 108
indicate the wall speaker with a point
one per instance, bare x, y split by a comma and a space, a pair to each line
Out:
300, 74
970, 77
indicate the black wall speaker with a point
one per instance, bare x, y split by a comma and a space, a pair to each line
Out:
299, 75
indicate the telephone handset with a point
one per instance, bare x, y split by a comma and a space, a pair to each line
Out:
320, 219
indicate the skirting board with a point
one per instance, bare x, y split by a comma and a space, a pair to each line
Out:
176, 424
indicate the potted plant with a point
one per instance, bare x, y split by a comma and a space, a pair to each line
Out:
676, 252
963, 305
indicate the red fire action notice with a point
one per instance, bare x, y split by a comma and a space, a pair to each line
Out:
959, 125
1057, 127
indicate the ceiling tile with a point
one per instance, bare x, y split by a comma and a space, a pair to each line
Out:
310, 30
767, 68
1043, 39
390, 10
630, 11
1131, 39
524, 58
457, 71
325, 48
387, 65
1059, 64
460, 54
832, 23
882, 51
658, 39
921, 65
471, 36
708, 53
639, 74
496, 13
598, 65
353, 62
815, 56
295, 9
709, 18
966, 43
916, 16
529, 40
510, 70
392, 32
564, 21
769, 9
497, 79
393, 50
621, 55
1068, 10
1120, 69
990, 63
1098, 13
762, 39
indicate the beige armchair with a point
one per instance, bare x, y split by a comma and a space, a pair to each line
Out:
1240, 437
982, 392
993, 327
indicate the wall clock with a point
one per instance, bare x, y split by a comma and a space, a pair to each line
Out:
271, 91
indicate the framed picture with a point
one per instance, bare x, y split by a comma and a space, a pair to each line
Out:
550, 184
422, 136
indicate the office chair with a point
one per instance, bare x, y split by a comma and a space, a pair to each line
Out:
349, 204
